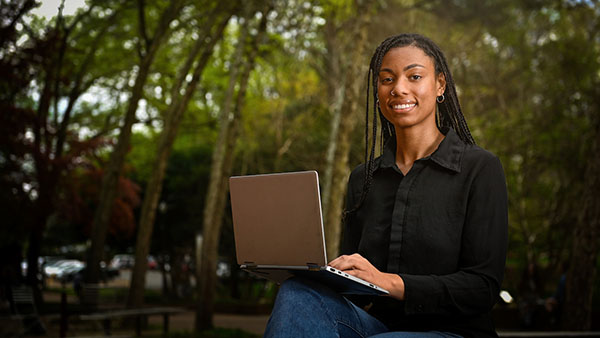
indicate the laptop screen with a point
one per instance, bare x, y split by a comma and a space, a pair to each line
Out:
277, 219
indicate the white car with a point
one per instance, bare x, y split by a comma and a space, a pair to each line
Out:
63, 268
122, 261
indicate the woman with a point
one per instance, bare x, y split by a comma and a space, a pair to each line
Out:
427, 220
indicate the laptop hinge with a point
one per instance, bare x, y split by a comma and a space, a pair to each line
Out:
249, 265
313, 266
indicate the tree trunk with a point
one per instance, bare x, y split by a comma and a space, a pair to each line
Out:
336, 84
48, 172
167, 137
339, 165
577, 310
117, 158
207, 265
223, 158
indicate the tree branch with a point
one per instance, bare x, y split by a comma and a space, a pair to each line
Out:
77, 87
142, 29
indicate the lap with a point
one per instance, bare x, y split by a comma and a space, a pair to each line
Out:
304, 308
309, 309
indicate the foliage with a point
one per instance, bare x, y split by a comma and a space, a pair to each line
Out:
63, 50
527, 73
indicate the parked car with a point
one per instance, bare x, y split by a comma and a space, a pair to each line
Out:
63, 270
122, 261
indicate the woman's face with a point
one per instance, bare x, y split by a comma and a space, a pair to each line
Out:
407, 87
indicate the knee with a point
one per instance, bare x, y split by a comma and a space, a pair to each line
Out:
300, 310
293, 283
294, 286
298, 290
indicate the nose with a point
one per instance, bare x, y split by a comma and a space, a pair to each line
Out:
400, 87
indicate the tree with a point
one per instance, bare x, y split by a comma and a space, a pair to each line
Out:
543, 128
581, 27
201, 52
113, 171
584, 255
58, 66
222, 161
346, 42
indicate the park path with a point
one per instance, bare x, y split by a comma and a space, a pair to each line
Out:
185, 322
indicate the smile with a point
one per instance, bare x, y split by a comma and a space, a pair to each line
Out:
403, 106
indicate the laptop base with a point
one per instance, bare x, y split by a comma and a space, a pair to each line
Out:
335, 279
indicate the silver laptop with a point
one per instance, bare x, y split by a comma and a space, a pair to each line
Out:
278, 229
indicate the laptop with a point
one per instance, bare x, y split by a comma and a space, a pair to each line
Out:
278, 230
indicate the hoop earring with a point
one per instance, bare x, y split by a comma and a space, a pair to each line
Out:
440, 98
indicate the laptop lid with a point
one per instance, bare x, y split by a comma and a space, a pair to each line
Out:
277, 219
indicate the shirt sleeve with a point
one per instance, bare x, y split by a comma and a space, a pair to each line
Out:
475, 287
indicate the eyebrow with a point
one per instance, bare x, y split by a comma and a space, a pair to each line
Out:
414, 65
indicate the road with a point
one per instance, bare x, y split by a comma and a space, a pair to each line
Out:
153, 279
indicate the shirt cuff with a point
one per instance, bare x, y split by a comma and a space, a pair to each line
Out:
421, 294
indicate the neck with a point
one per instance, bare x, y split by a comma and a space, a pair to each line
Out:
415, 143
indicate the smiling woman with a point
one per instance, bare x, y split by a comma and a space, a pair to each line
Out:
427, 220
407, 90
408, 87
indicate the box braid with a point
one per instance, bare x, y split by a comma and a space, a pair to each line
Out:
449, 113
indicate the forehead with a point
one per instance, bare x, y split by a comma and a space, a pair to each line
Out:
400, 57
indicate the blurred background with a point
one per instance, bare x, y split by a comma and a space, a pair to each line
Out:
121, 120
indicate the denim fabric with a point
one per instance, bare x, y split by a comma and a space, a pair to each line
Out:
429, 334
307, 309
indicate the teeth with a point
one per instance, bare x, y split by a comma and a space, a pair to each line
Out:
403, 106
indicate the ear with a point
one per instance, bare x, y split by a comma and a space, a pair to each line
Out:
441, 84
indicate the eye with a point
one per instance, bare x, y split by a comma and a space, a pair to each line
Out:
415, 77
386, 80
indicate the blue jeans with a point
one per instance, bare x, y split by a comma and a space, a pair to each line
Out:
307, 309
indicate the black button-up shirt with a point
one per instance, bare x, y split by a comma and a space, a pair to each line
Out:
442, 227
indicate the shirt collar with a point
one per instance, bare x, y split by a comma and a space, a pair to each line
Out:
448, 154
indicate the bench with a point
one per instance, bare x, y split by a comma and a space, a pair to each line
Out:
23, 303
24, 310
90, 296
138, 314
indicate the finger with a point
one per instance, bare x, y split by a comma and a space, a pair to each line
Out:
357, 256
359, 262
338, 262
344, 265
348, 262
347, 257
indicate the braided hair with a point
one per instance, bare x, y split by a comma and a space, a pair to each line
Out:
449, 113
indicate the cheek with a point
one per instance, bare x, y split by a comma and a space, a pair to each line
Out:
428, 92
